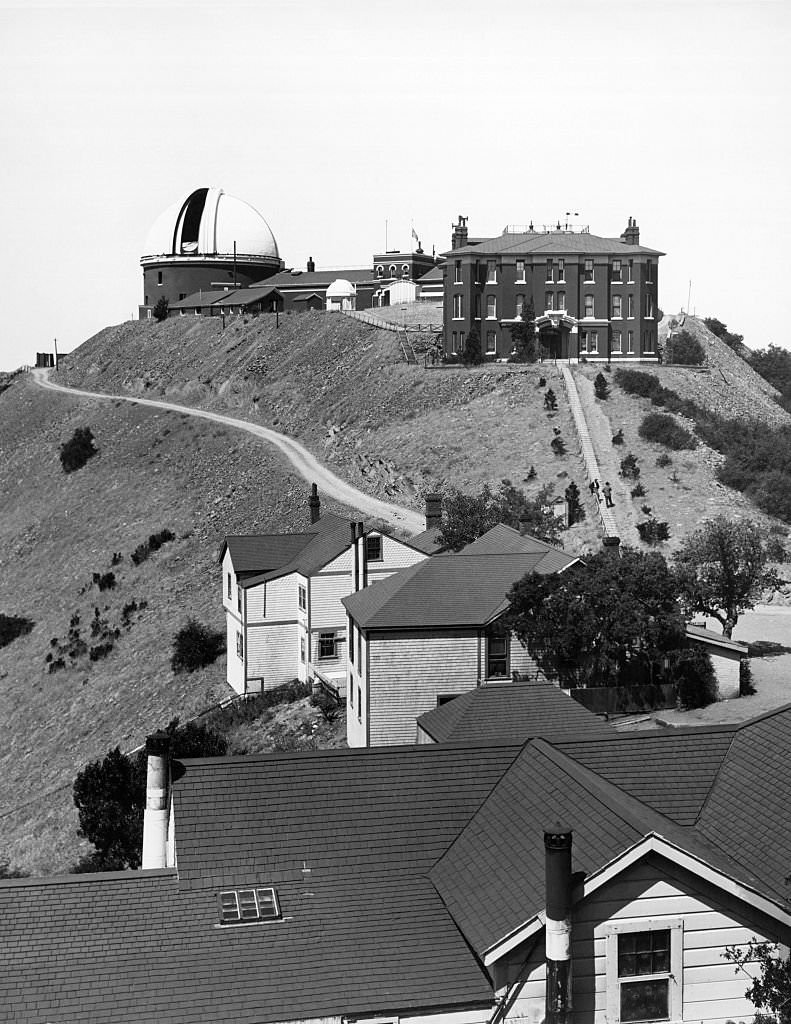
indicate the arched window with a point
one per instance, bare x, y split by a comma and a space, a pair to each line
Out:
392, 270
380, 270
405, 271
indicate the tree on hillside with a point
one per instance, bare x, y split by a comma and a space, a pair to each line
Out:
472, 354
110, 796
722, 569
465, 517
523, 335
720, 330
161, 309
770, 989
684, 349
606, 622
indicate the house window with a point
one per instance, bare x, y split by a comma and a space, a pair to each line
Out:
458, 307
327, 645
561, 270
649, 271
589, 305
549, 300
588, 271
392, 270
561, 300
648, 342
644, 971
491, 307
350, 633
477, 266
230, 586
360, 651
457, 277
445, 698
239, 600
520, 270
616, 271
461, 341
649, 306
616, 307
497, 655
477, 306
593, 341
359, 704
491, 343
198, 311
550, 272
243, 906
302, 594
373, 548
520, 305
491, 271
630, 342
351, 696
453, 342
630, 306
405, 271
159, 277
302, 651
239, 646
380, 271
182, 312
630, 266
616, 342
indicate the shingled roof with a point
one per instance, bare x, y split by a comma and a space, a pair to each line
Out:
553, 242
464, 589
261, 557
512, 713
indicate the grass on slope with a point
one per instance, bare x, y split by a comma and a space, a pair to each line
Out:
154, 470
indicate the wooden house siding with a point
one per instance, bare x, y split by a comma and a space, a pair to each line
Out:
326, 591
656, 893
234, 672
229, 603
282, 597
406, 674
272, 653
256, 603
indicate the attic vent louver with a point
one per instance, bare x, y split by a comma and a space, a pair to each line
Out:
245, 906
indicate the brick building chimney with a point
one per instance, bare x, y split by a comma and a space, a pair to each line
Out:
157, 811
557, 859
314, 504
311, 265
459, 236
433, 511
631, 235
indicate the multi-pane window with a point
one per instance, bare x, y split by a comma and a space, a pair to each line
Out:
589, 341
588, 271
616, 271
549, 300
617, 342
491, 343
616, 306
520, 270
491, 271
649, 305
630, 306
491, 307
302, 596
561, 300
630, 342
550, 271
649, 271
458, 307
497, 655
242, 906
327, 645
461, 341
561, 270
644, 971
589, 306
373, 548
457, 277
520, 305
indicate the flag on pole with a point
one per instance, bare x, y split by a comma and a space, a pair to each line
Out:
414, 235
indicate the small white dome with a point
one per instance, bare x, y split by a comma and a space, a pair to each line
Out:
207, 222
340, 289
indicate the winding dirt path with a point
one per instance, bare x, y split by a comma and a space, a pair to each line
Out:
307, 465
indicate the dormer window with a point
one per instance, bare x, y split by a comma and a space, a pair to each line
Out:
246, 906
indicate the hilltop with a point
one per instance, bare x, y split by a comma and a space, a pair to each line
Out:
341, 387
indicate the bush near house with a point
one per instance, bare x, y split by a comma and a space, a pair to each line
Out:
691, 669
75, 452
652, 531
663, 429
684, 349
161, 309
629, 468
601, 386
195, 646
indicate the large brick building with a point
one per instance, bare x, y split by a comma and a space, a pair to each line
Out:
592, 296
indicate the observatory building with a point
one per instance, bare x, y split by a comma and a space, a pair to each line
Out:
208, 241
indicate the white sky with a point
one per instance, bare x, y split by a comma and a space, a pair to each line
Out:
331, 116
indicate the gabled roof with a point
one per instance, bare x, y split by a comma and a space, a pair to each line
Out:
261, 552
435, 274
427, 541
709, 636
551, 243
204, 298
329, 538
260, 557
512, 713
464, 589
246, 296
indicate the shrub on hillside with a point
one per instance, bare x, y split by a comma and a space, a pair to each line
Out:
661, 428
718, 328
558, 446
104, 580
663, 460
684, 349
550, 400
638, 491
154, 543
12, 626
601, 386
653, 532
637, 382
629, 468
161, 309
617, 438
575, 506
195, 646
75, 452
472, 354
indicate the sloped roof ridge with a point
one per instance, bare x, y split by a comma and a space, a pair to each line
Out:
130, 875
681, 730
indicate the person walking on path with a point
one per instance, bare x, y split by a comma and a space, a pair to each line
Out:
607, 492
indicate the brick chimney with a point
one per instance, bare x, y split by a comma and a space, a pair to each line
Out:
557, 860
311, 265
631, 235
157, 810
314, 504
433, 511
459, 236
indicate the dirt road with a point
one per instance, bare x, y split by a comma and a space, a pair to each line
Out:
300, 458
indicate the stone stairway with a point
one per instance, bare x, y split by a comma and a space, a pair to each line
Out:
608, 521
